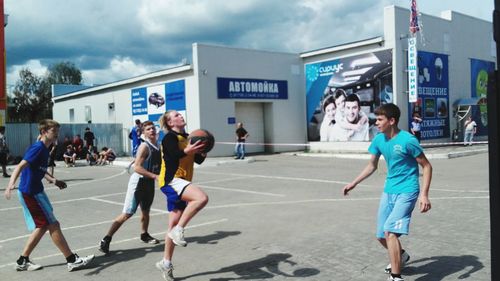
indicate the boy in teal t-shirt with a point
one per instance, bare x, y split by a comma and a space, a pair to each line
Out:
403, 154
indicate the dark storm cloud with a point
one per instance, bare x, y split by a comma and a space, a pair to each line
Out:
111, 39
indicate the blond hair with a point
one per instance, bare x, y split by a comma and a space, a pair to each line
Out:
47, 124
163, 121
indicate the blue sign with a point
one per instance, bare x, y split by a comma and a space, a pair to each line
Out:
231, 120
239, 88
433, 96
175, 95
139, 101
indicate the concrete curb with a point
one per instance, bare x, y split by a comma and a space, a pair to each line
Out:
212, 162
366, 155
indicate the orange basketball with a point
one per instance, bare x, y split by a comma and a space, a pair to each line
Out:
205, 137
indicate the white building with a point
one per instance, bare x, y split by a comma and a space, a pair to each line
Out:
278, 96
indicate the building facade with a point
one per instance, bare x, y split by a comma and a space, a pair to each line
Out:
281, 98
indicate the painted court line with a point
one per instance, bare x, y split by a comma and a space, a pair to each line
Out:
119, 241
331, 181
105, 195
160, 212
242, 191
279, 178
221, 180
327, 200
121, 204
69, 200
89, 181
459, 191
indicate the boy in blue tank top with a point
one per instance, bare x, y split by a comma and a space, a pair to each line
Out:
141, 188
402, 153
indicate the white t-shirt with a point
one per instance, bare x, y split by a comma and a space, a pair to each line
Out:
470, 127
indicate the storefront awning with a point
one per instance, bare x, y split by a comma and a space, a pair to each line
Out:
470, 101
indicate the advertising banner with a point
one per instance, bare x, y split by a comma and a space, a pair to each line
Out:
432, 105
480, 70
341, 95
149, 103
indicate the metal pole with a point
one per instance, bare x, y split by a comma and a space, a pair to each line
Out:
494, 161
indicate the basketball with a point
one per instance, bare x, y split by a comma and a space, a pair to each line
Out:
205, 137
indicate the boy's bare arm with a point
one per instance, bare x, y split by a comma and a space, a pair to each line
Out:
425, 204
367, 171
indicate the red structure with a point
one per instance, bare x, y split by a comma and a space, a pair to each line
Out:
3, 79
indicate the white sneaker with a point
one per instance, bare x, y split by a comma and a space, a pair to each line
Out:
28, 265
167, 271
395, 279
177, 236
405, 257
80, 262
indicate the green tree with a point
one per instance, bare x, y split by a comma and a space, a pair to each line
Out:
64, 73
32, 99
33, 95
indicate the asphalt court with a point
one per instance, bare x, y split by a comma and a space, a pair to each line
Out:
280, 217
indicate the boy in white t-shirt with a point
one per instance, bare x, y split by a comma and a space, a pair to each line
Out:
470, 130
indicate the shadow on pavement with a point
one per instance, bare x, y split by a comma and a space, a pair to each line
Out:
212, 238
259, 269
438, 267
102, 262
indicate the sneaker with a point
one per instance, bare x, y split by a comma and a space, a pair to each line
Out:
104, 246
80, 262
395, 279
167, 271
6, 175
177, 236
146, 238
405, 257
28, 265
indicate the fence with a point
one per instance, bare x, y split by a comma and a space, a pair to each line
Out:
21, 135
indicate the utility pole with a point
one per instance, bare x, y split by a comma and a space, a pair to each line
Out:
493, 151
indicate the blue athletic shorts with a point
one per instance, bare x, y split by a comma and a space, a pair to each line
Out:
394, 213
173, 191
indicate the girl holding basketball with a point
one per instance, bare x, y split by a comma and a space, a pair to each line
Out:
184, 199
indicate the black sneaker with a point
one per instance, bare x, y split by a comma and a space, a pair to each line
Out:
104, 245
28, 265
146, 238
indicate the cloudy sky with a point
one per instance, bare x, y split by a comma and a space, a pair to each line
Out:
115, 39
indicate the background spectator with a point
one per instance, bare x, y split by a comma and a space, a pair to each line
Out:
4, 152
89, 137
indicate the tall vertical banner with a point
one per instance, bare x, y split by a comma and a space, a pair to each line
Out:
480, 71
412, 69
433, 96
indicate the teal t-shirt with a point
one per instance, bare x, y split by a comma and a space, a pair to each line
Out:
400, 154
